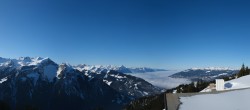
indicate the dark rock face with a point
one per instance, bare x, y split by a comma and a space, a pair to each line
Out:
124, 69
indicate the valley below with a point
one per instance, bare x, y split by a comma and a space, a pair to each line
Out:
162, 79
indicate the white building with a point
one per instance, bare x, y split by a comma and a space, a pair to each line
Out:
219, 84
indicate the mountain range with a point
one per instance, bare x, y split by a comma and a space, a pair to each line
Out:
122, 69
42, 84
205, 74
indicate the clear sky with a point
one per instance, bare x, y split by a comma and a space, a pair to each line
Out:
171, 34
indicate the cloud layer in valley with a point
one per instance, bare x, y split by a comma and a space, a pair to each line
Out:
161, 79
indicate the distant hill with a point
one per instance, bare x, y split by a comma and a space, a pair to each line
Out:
206, 74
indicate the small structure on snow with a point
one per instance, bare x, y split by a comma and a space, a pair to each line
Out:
219, 84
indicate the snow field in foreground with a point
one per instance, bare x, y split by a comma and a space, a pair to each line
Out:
233, 100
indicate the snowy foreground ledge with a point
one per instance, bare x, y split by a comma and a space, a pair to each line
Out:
233, 100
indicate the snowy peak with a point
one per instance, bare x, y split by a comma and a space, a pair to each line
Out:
23, 61
39, 67
28, 61
122, 68
5, 61
64, 70
101, 68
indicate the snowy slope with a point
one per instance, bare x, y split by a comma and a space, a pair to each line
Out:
242, 82
3, 80
233, 100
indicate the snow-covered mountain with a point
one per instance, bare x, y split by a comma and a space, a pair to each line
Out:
209, 73
22, 61
214, 68
131, 86
101, 68
33, 81
122, 69
47, 66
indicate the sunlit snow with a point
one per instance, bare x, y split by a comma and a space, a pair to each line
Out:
242, 82
3, 80
107, 82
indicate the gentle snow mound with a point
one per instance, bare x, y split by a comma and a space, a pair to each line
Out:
242, 82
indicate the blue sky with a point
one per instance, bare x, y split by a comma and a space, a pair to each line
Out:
175, 34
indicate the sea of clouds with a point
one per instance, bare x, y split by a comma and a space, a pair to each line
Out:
162, 79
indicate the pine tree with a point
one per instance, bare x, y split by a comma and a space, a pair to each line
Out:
242, 71
247, 71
